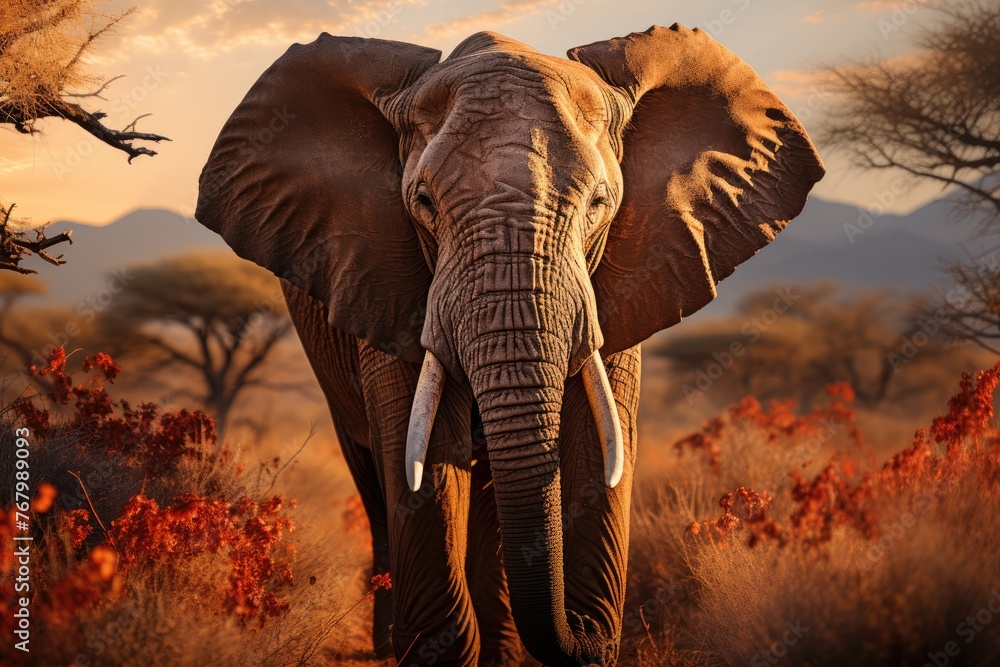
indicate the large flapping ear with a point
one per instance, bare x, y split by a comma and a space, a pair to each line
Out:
714, 166
304, 180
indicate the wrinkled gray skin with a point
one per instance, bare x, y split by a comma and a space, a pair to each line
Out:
510, 214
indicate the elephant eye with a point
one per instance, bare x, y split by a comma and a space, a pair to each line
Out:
600, 199
424, 202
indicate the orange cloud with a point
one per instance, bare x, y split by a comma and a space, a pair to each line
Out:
508, 12
208, 29
798, 81
875, 6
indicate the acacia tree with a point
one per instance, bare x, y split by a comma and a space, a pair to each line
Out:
206, 315
42, 44
936, 117
808, 338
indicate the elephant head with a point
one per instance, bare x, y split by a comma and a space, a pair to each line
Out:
508, 217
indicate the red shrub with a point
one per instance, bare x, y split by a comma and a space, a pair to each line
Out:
827, 501
751, 507
831, 499
778, 423
92, 582
76, 526
249, 532
246, 534
139, 433
970, 413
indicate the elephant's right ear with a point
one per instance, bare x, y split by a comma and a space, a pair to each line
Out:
304, 180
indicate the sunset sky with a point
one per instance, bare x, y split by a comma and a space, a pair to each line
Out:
189, 62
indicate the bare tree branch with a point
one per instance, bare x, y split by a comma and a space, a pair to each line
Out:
42, 45
15, 245
936, 117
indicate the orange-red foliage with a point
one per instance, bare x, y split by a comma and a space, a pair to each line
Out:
381, 581
45, 495
93, 581
777, 423
248, 531
140, 433
830, 499
970, 413
248, 534
751, 508
76, 526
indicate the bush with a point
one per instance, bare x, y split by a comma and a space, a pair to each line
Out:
153, 545
836, 561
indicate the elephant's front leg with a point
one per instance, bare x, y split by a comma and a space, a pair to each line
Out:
596, 518
501, 645
434, 622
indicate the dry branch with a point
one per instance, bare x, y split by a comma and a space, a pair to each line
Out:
42, 43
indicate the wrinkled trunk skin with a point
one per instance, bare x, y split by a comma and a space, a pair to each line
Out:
517, 378
512, 308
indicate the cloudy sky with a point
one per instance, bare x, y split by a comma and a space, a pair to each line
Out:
189, 62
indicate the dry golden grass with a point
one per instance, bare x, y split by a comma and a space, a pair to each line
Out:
852, 563
891, 597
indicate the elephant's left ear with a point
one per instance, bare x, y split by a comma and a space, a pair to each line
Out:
714, 166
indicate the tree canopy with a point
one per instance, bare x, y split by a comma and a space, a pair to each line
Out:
209, 314
935, 114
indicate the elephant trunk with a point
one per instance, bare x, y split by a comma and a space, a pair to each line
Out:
520, 402
516, 314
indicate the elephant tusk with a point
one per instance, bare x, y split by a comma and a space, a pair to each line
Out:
609, 428
430, 386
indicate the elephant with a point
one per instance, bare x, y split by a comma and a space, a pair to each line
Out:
472, 250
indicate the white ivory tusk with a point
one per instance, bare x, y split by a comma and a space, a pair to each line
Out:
609, 428
426, 399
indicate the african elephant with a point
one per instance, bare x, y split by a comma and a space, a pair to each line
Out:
472, 250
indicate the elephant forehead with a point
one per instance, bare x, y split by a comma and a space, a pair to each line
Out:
513, 88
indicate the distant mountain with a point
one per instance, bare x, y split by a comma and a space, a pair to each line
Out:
828, 242
856, 248
140, 236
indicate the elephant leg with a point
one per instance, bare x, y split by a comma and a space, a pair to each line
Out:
333, 355
484, 566
596, 518
434, 621
363, 471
